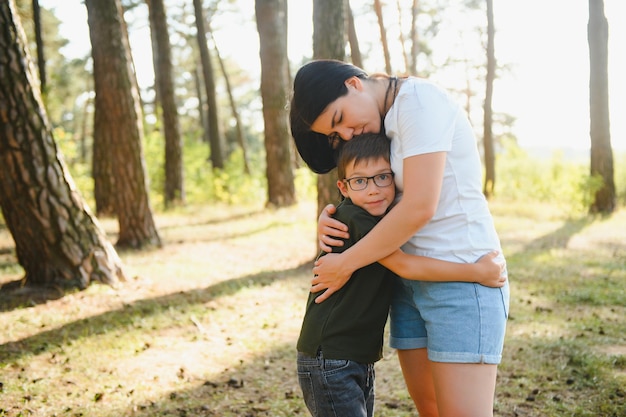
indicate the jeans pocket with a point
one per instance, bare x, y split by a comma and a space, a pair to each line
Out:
332, 365
308, 392
505, 292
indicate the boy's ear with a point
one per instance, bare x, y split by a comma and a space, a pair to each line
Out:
343, 187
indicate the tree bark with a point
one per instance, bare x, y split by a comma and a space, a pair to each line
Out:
215, 139
233, 107
329, 42
58, 241
490, 159
413, 34
353, 40
271, 17
401, 39
601, 152
41, 56
378, 8
118, 127
174, 188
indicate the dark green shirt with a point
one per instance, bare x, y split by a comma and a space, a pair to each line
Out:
351, 322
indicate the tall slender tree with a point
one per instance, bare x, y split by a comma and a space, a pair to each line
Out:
215, 138
601, 152
414, 37
329, 42
353, 40
41, 56
58, 241
271, 18
490, 159
378, 8
174, 187
233, 108
118, 126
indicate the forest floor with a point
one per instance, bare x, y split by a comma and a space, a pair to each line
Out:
207, 324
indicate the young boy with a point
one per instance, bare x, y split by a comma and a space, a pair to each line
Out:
342, 338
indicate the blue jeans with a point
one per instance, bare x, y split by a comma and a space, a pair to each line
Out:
336, 387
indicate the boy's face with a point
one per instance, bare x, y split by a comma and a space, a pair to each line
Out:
373, 198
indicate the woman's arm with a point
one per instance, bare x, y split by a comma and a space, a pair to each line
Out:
485, 271
422, 177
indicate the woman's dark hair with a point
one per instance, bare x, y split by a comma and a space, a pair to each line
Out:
316, 85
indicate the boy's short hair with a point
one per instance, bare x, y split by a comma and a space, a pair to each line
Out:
360, 147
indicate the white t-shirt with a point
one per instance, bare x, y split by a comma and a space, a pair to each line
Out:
425, 119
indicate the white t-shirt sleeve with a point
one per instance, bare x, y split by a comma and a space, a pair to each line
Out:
426, 117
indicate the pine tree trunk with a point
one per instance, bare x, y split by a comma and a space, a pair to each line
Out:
415, 46
378, 8
174, 191
58, 242
118, 123
41, 56
215, 139
271, 17
601, 152
329, 42
353, 40
233, 107
490, 158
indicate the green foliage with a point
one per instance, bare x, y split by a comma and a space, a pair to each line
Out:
79, 169
306, 184
202, 183
520, 177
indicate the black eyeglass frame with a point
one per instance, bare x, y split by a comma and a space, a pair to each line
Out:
367, 181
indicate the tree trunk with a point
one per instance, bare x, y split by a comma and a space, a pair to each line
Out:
174, 190
413, 34
601, 152
58, 242
271, 18
41, 56
202, 111
353, 40
401, 39
118, 123
378, 8
233, 107
215, 139
329, 42
490, 159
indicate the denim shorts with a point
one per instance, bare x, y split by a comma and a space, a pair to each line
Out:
336, 387
458, 322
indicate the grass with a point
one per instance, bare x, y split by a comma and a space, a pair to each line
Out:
206, 325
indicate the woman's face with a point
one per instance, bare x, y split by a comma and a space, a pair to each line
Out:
352, 114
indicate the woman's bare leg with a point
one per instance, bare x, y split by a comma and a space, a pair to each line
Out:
418, 377
464, 389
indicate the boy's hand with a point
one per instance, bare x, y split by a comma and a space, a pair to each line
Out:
490, 272
328, 229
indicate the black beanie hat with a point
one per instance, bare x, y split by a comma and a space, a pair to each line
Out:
316, 85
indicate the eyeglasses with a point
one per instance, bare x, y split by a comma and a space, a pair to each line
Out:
360, 183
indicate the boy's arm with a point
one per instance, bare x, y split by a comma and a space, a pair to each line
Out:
485, 271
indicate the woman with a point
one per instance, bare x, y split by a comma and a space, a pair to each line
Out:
449, 336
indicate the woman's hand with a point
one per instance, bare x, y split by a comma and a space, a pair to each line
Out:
329, 276
328, 229
489, 271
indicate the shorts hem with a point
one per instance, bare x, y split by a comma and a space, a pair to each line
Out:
462, 357
405, 343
